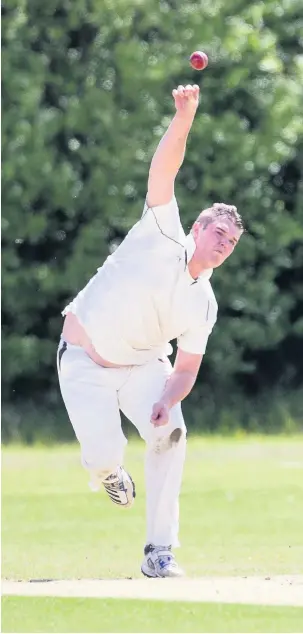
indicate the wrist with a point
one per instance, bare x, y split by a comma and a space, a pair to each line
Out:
185, 119
165, 401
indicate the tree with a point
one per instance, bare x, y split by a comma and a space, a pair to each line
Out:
86, 96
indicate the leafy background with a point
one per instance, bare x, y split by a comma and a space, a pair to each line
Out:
86, 97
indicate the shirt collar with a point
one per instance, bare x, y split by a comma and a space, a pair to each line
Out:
190, 247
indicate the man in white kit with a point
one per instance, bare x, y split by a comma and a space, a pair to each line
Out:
115, 341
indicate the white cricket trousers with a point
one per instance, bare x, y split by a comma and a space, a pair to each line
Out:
93, 397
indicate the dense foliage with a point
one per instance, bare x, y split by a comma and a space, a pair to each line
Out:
86, 96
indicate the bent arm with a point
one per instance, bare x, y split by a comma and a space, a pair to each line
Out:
182, 379
170, 152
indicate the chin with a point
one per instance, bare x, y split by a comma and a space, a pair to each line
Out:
217, 260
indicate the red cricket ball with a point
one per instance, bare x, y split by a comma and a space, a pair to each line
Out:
198, 60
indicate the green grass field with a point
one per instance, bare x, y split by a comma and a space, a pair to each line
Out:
29, 614
241, 514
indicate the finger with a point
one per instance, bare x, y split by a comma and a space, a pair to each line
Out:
160, 422
157, 422
188, 90
156, 413
181, 90
155, 416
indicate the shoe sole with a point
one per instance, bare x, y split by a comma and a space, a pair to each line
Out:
149, 576
155, 576
131, 493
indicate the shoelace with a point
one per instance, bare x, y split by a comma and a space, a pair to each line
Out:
156, 549
116, 485
167, 559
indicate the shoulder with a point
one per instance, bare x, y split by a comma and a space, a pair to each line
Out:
158, 230
162, 215
211, 294
208, 299
161, 222
213, 304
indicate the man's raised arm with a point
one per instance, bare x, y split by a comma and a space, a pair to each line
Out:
170, 152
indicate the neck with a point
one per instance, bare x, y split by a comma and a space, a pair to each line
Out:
195, 267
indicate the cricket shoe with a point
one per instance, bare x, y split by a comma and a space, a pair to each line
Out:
120, 487
159, 561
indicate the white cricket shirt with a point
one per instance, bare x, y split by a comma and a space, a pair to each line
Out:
143, 296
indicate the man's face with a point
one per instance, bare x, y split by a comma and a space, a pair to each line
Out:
216, 241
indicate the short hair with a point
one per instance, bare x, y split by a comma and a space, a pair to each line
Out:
221, 209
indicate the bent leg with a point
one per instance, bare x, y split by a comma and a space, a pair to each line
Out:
90, 397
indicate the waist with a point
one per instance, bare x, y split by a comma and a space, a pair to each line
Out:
75, 334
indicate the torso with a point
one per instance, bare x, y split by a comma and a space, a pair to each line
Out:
75, 334
141, 298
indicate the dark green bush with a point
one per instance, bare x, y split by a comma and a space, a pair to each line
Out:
86, 96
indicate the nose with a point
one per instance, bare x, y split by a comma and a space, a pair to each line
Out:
224, 242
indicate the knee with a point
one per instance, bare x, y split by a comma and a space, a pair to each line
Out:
176, 436
175, 439
102, 457
99, 465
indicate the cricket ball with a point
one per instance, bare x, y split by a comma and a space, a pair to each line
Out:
198, 60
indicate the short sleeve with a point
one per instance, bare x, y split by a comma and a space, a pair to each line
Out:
195, 339
162, 219
158, 230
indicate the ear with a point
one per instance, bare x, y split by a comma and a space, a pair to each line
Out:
195, 230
